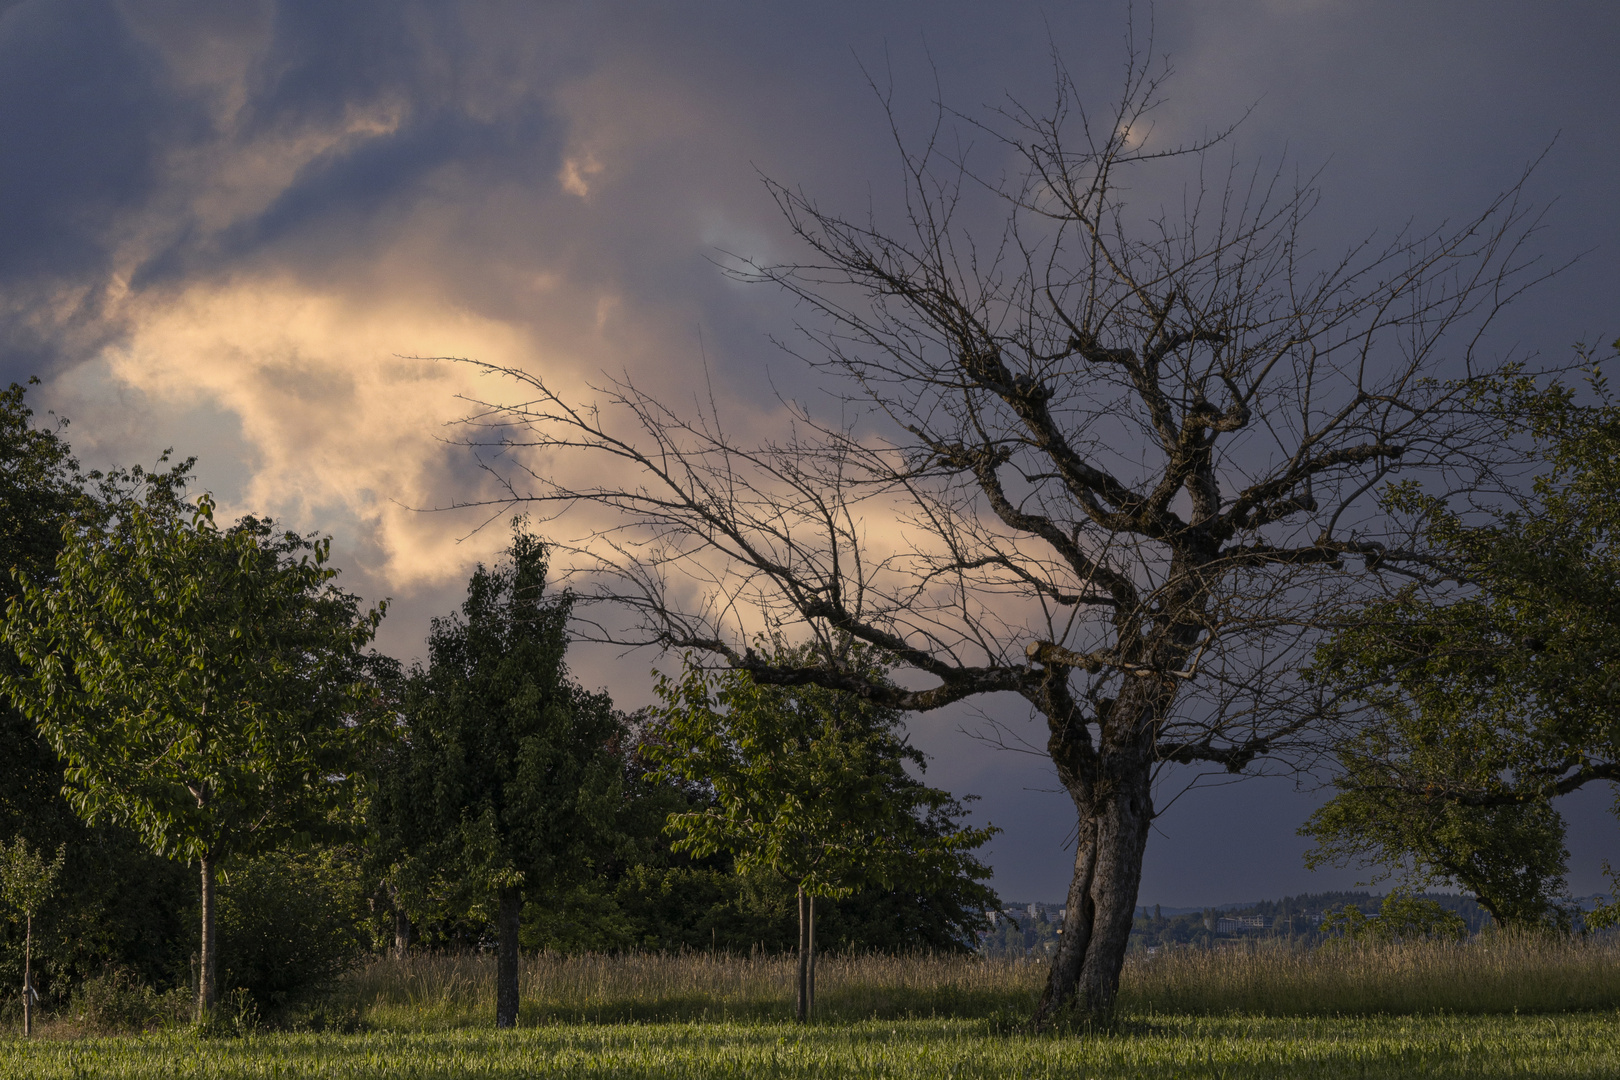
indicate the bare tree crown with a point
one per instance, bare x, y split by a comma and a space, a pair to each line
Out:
1114, 443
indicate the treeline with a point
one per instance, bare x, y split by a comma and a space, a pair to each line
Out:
247, 798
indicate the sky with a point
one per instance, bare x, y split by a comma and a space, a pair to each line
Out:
233, 229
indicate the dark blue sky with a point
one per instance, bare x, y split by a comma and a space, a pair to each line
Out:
222, 225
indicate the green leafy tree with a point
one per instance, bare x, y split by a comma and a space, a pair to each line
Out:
1486, 690
810, 784
503, 789
26, 882
204, 686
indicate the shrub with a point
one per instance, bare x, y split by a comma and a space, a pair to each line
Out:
1400, 918
290, 922
117, 1000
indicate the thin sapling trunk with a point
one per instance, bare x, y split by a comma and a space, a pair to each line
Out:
28, 977
402, 933
208, 973
810, 982
802, 1011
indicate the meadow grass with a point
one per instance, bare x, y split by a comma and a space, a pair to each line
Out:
1498, 973
443, 992
1581, 1045
1494, 974
1498, 1007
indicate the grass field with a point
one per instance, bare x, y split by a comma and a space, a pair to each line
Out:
1232, 1048
1498, 1008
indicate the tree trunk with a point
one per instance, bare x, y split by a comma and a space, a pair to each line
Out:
402, 933
1114, 800
810, 980
28, 977
802, 1013
506, 958
208, 969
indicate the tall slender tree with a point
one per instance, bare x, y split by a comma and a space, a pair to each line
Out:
204, 686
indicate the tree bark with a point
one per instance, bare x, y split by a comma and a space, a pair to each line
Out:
402, 933
28, 977
506, 958
208, 969
1112, 792
802, 1010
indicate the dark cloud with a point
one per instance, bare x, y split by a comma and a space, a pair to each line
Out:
85, 112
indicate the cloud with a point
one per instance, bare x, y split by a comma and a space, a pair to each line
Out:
335, 425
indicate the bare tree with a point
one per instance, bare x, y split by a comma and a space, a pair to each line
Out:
1120, 462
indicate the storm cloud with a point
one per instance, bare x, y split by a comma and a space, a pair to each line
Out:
230, 229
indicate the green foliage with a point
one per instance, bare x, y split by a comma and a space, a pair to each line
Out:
810, 785
118, 1000
26, 878
292, 921
117, 906
1606, 916
1483, 695
1511, 857
40, 488
1401, 917
204, 686
503, 777
115, 903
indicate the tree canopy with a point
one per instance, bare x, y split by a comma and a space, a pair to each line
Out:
203, 686
1488, 687
810, 784
503, 788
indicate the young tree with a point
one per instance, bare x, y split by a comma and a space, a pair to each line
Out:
810, 784
1486, 689
26, 882
503, 788
203, 685
1109, 457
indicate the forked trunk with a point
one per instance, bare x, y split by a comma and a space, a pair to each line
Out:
1114, 801
506, 958
208, 969
1101, 908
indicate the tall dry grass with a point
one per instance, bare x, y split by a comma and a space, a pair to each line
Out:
437, 991
1498, 974
1495, 973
